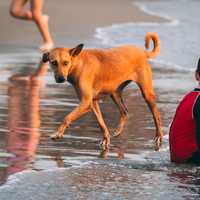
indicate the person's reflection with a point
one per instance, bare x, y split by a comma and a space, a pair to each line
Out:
23, 120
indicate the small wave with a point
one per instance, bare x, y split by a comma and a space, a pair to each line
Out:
171, 21
102, 33
158, 63
133, 33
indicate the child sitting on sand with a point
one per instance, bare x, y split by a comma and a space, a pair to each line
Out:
184, 136
35, 14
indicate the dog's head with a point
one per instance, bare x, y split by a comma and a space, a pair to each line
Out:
61, 61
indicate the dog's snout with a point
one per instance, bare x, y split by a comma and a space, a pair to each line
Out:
60, 79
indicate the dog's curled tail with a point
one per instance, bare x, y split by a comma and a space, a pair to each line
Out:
156, 43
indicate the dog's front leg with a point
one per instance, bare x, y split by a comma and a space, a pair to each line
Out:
83, 108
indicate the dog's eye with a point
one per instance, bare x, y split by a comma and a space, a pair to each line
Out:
65, 63
54, 63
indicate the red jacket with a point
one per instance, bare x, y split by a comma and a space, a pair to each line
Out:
183, 131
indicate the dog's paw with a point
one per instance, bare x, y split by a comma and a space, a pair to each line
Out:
105, 144
56, 136
116, 133
158, 142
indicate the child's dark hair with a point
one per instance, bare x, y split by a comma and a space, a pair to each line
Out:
198, 67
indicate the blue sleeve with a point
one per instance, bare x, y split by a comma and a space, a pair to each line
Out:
196, 114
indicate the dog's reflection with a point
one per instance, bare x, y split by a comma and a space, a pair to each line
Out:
104, 154
119, 151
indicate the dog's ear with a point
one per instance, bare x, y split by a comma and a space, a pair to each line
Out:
76, 51
45, 57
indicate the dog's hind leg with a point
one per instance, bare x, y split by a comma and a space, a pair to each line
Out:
106, 134
146, 86
117, 98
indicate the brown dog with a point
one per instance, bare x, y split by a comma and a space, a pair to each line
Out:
95, 72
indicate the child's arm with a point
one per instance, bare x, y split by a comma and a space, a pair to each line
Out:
196, 114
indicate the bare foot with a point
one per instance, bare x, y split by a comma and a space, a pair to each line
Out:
45, 18
47, 45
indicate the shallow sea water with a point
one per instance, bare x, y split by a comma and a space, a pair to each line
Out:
32, 166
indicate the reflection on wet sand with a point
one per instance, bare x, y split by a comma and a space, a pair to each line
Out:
23, 121
105, 153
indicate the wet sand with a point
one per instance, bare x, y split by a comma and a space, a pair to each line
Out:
72, 168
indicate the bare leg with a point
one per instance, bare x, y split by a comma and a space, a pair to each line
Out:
123, 112
42, 23
106, 135
17, 10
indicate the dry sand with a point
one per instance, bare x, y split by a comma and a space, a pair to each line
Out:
70, 21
